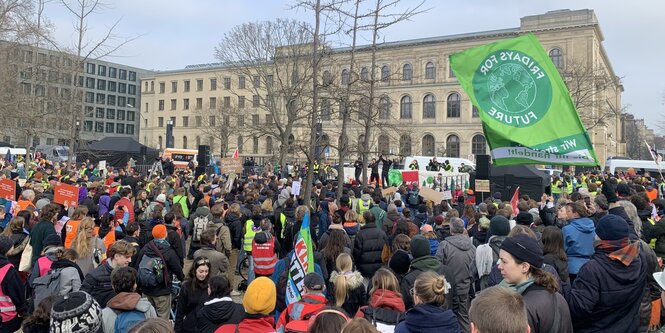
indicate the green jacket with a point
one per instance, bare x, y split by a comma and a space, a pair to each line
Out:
379, 215
37, 237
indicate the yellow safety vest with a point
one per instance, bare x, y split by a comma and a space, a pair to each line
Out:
555, 187
652, 242
249, 236
362, 207
569, 187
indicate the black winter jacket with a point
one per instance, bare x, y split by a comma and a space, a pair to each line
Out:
425, 264
236, 227
217, 312
190, 301
367, 249
356, 295
541, 311
172, 263
98, 284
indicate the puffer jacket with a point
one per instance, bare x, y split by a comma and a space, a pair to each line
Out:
235, 225
367, 249
97, 283
428, 318
217, 312
125, 302
578, 237
355, 291
458, 253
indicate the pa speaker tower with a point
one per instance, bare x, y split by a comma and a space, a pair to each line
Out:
203, 158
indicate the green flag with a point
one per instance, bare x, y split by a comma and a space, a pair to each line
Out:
527, 113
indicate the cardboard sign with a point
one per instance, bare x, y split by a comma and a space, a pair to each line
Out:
410, 176
482, 185
295, 188
230, 165
431, 195
8, 189
386, 192
67, 195
447, 195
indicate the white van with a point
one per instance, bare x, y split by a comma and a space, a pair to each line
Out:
613, 165
423, 162
14, 151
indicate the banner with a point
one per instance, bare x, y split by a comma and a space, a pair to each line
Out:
8, 189
527, 113
302, 262
230, 165
66, 194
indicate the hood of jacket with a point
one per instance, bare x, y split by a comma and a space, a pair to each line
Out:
463, 242
583, 225
366, 197
129, 301
387, 299
353, 279
281, 198
202, 211
426, 263
262, 237
218, 310
426, 317
393, 216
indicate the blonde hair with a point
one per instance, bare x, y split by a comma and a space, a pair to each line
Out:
81, 241
431, 288
386, 280
79, 213
351, 215
266, 206
344, 265
301, 211
16, 224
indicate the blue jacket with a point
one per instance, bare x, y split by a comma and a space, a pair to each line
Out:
606, 295
424, 318
578, 237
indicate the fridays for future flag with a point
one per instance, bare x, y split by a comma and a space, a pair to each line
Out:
527, 113
302, 262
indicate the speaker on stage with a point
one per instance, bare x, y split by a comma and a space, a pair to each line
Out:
482, 166
203, 158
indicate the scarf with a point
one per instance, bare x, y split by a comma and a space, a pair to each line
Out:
622, 250
519, 288
63, 263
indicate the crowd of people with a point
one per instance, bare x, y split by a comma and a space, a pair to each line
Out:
181, 252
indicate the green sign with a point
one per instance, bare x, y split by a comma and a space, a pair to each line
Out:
527, 113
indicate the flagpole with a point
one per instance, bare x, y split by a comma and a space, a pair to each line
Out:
654, 156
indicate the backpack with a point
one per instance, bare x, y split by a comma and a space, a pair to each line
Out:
152, 269
200, 225
377, 316
125, 320
45, 286
288, 225
282, 281
414, 198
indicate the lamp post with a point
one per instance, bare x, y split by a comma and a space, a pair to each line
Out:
77, 133
169, 134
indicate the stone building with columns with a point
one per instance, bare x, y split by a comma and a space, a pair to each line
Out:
421, 106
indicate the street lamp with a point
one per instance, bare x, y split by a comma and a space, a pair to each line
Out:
77, 133
169, 134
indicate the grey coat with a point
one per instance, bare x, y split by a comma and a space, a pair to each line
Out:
219, 263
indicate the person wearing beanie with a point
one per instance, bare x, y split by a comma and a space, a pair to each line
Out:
521, 267
76, 312
259, 302
400, 263
480, 237
12, 288
159, 247
312, 300
220, 308
458, 253
524, 218
606, 295
423, 261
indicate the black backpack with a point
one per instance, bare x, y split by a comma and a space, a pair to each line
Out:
383, 316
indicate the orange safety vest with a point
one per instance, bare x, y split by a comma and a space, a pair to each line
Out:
653, 194
7, 307
24, 204
264, 257
70, 233
109, 239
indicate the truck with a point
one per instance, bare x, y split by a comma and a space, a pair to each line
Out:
54, 153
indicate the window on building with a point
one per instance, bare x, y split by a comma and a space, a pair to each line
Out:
405, 145
405, 107
132, 76
211, 121
227, 101
345, 76
212, 102
428, 145
110, 113
451, 73
110, 100
113, 72
240, 143
213, 84
327, 78
87, 126
453, 105
161, 105
111, 86
241, 102
185, 104
174, 86
90, 68
197, 121
383, 144
120, 114
129, 129
174, 104
199, 103
101, 70
364, 74
430, 71
269, 145
452, 146
162, 86
100, 113
101, 84
326, 113
90, 97
152, 86
110, 127
268, 119
122, 88
101, 99
429, 108
255, 101
131, 89
384, 108
474, 112
131, 101
255, 145
269, 80
241, 82
184, 142
255, 120
90, 83
185, 87
556, 55
173, 121
199, 85
185, 121
407, 72
131, 116
120, 128
256, 81
385, 73
227, 83
478, 145
122, 74
89, 111
99, 127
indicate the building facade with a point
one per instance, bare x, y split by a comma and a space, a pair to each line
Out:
422, 109
59, 98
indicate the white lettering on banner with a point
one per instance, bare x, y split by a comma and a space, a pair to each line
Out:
543, 156
524, 119
515, 57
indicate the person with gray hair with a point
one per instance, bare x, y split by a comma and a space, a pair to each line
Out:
458, 253
602, 206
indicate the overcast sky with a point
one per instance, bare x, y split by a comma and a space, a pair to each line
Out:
176, 33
